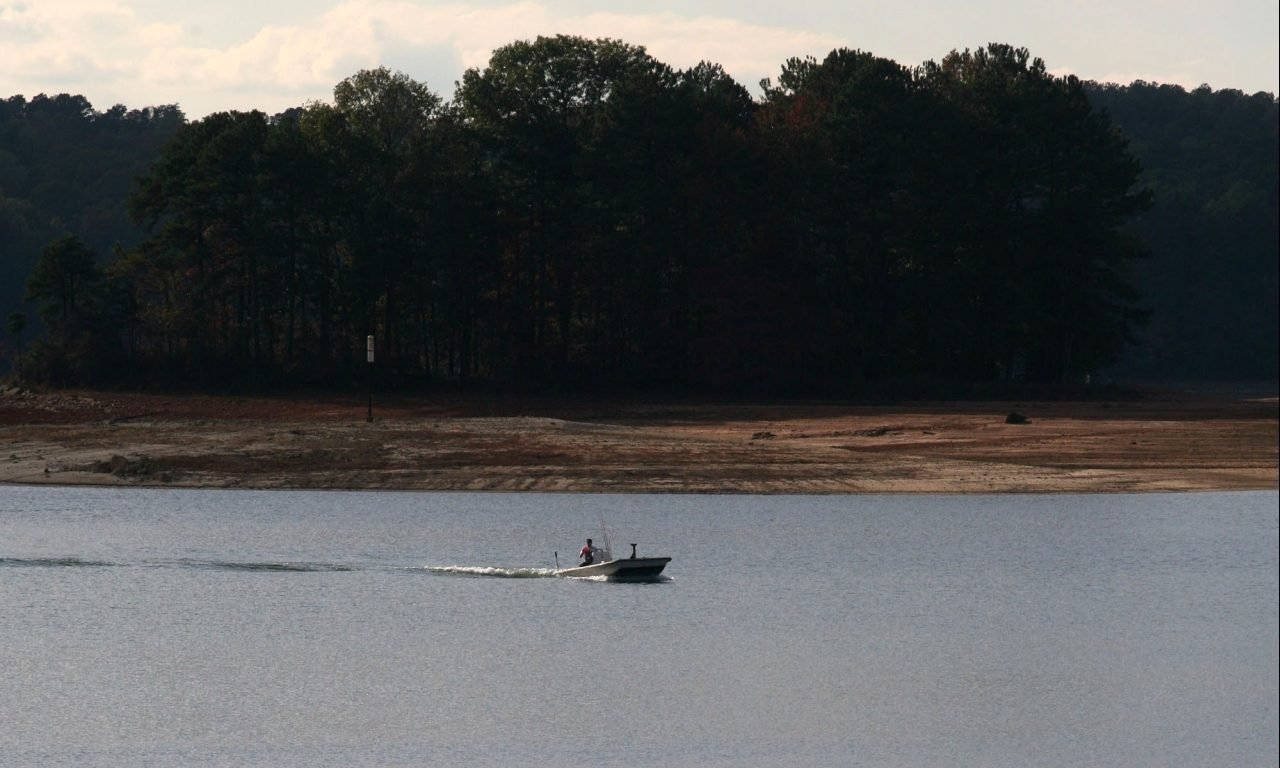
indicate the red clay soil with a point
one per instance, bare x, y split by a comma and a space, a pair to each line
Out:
1159, 443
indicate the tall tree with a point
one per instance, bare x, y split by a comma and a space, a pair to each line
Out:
16, 325
67, 286
1052, 185
203, 202
584, 215
387, 118
65, 281
535, 107
1211, 160
66, 168
843, 136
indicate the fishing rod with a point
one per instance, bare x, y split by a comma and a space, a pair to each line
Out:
608, 550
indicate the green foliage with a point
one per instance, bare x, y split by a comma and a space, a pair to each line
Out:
65, 282
1211, 160
16, 325
964, 219
66, 168
567, 124
1058, 183
68, 288
582, 215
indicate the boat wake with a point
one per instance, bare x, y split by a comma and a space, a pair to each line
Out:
216, 565
298, 567
492, 571
292, 566
53, 562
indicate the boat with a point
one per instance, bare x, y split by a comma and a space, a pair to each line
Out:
627, 569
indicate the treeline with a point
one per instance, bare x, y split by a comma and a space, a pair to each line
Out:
66, 168
582, 215
1212, 162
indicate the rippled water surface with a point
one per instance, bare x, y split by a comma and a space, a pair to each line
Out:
226, 628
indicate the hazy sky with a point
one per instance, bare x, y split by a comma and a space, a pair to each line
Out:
274, 54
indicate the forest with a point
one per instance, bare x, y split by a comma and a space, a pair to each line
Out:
582, 217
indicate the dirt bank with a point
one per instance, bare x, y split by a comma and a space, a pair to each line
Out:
1161, 443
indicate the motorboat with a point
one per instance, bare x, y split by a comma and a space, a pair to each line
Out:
626, 569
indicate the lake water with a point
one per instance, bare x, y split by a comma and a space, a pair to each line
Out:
232, 628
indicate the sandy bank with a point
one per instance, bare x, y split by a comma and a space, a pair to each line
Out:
1168, 443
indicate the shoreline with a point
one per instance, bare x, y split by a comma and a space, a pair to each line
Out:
608, 492
1164, 443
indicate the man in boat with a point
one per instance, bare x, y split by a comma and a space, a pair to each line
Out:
588, 554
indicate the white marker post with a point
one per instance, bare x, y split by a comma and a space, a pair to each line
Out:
369, 355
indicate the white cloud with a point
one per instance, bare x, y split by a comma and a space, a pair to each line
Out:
206, 56
746, 51
63, 40
101, 47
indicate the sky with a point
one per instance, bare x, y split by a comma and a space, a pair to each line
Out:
275, 54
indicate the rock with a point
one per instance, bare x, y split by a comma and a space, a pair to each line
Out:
876, 432
1016, 418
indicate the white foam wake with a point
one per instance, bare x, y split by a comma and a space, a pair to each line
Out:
493, 571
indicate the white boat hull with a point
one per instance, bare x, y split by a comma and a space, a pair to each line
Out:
632, 569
